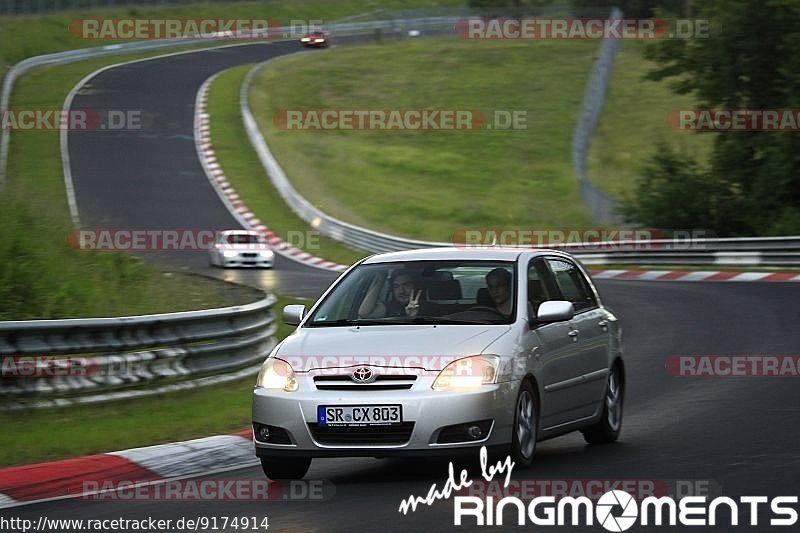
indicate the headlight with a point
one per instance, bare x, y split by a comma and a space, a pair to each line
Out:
468, 373
276, 374
305, 39
229, 254
266, 253
319, 40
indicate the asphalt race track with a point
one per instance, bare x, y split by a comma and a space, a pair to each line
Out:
151, 178
735, 436
738, 435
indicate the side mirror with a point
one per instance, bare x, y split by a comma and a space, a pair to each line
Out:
555, 311
293, 314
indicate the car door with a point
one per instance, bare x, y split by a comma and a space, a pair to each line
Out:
589, 328
553, 349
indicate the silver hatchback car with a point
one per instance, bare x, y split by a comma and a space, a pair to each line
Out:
441, 351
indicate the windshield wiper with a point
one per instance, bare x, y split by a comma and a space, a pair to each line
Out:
351, 322
445, 320
398, 320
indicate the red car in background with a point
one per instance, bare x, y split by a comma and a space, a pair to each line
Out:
316, 39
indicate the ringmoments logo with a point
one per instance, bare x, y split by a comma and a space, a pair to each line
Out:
617, 510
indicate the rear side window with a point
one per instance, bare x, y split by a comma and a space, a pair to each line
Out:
572, 284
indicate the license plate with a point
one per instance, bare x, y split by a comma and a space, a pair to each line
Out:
359, 415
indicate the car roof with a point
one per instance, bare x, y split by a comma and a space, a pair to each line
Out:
487, 253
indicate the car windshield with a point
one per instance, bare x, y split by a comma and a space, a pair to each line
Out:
422, 292
243, 238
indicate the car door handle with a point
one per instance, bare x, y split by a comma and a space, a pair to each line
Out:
573, 333
603, 323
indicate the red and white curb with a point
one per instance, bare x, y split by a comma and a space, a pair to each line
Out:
696, 275
229, 196
24, 485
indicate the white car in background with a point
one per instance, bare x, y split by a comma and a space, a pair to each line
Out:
241, 248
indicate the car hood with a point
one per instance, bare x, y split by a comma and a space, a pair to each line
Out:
419, 346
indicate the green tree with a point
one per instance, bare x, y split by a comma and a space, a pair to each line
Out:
749, 61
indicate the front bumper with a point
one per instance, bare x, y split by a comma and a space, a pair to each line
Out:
429, 411
236, 262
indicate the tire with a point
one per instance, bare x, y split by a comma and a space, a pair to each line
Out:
607, 429
526, 426
285, 468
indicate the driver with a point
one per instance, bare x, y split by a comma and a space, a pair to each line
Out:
498, 282
404, 299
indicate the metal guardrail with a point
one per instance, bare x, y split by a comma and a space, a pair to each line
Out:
600, 204
136, 354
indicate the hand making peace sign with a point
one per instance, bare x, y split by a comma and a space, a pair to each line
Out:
413, 304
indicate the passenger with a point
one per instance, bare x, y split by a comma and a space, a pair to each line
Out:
499, 283
404, 299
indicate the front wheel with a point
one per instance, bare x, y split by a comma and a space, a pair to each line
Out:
285, 468
523, 438
607, 429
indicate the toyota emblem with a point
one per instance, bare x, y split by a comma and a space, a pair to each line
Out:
363, 374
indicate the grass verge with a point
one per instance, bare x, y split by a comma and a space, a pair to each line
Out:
244, 171
429, 184
633, 120
52, 434
41, 276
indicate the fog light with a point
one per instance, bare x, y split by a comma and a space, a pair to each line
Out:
474, 432
263, 433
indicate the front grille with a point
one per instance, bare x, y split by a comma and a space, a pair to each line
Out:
249, 255
397, 434
382, 382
